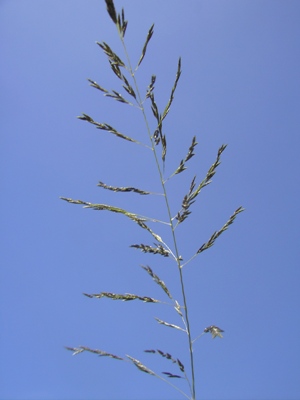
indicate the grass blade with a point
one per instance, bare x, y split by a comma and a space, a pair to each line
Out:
170, 375
189, 199
102, 353
149, 36
157, 280
117, 96
178, 73
106, 127
215, 235
96, 86
154, 250
112, 57
123, 297
111, 10
211, 172
189, 155
122, 189
140, 366
169, 325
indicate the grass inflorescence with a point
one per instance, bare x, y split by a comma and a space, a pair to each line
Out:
157, 143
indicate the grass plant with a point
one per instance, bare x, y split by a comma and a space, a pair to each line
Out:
157, 144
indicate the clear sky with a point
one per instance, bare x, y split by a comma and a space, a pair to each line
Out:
240, 85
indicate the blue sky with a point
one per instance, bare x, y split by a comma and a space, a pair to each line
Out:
240, 85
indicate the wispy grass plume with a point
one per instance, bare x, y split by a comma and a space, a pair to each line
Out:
155, 141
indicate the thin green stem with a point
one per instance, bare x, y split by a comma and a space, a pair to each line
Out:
140, 103
188, 261
171, 384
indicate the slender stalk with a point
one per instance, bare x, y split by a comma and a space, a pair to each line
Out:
171, 384
140, 103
